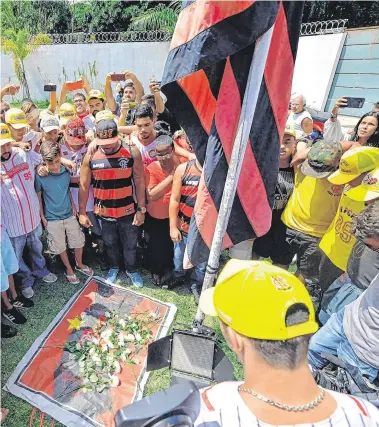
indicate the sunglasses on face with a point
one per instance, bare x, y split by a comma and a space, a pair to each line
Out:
164, 156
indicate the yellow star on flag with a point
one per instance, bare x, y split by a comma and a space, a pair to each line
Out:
74, 323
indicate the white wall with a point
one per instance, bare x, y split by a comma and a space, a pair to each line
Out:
316, 62
145, 59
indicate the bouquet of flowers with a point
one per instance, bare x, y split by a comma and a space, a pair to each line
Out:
111, 342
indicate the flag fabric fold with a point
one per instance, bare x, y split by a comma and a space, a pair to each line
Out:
204, 80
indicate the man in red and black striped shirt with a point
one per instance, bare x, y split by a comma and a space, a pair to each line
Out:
113, 169
183, 197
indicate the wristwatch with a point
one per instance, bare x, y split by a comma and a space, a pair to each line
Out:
142, 209
333, 116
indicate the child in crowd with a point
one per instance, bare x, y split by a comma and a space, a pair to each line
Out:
74, 149
59, 213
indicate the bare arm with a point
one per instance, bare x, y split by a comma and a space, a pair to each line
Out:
127, 130
53, 102
175, 233
139, 182
180, 151
155, 90
84, 185
307, 125
159, 190
63, 94
137, 84
301, 153
112, 104
9, 89
41, 212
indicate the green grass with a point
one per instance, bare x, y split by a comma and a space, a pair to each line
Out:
40, 104
49, 300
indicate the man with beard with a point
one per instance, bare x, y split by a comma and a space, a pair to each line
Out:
145, 140
115, 170
20, 210
96, 102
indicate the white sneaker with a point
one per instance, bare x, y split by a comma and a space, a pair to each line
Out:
50, 278
28, 292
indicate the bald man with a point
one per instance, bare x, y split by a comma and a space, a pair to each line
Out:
299, 117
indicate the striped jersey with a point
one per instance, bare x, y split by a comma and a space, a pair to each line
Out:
112, 183
148, 152
222, 406
77, 157
188, 194
19, 202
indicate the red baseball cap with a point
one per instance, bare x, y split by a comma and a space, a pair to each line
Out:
75, 132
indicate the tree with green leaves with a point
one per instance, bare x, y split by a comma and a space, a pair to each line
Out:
19, 45
160, 17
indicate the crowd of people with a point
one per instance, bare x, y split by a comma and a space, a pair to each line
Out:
109, 178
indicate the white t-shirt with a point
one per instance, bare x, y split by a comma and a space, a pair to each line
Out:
222, 406
77, 157
296, 119
148, 152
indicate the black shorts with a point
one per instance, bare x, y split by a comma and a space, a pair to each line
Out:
273, 244
308, 253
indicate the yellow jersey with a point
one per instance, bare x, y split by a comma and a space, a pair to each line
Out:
312, 206
338, 241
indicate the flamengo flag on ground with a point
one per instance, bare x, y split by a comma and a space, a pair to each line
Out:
204, 80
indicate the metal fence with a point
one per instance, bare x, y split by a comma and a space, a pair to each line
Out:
323, 27
122, 37
307, 29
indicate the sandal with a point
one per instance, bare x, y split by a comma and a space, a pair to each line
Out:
87, 271
72, 279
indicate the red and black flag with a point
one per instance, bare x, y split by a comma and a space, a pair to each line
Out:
205, 79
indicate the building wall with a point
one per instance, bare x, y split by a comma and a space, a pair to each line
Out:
357, 73
316, 62
50, 63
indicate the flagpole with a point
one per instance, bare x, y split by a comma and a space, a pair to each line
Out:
249, 104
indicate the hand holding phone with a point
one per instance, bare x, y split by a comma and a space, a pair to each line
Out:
74, 85
352, 102
117, 77
50, 88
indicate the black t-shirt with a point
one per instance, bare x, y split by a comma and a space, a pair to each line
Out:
283, 191
363, 265
169, 118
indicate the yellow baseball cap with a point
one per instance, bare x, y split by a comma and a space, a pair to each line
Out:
66, 113
368, 190
95, 93
355, 162
5, 134
254, 297
290, 129
104, 115
16, 118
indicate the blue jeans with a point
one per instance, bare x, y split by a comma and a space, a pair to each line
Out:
197, 273
339, 294
331, 339
33, 242
121, 234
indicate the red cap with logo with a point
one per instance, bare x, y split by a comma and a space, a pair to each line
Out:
75, 132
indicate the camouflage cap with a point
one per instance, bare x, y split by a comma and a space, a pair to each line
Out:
323, 159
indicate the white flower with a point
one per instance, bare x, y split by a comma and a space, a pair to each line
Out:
107, 314
104, 348
138, 337
153, 315
123, 357
95, 341
78, 346
122, 323
109, 344
106, 334
117, 367
96, 358
92, 350
130, 337
127, 351
115, 381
